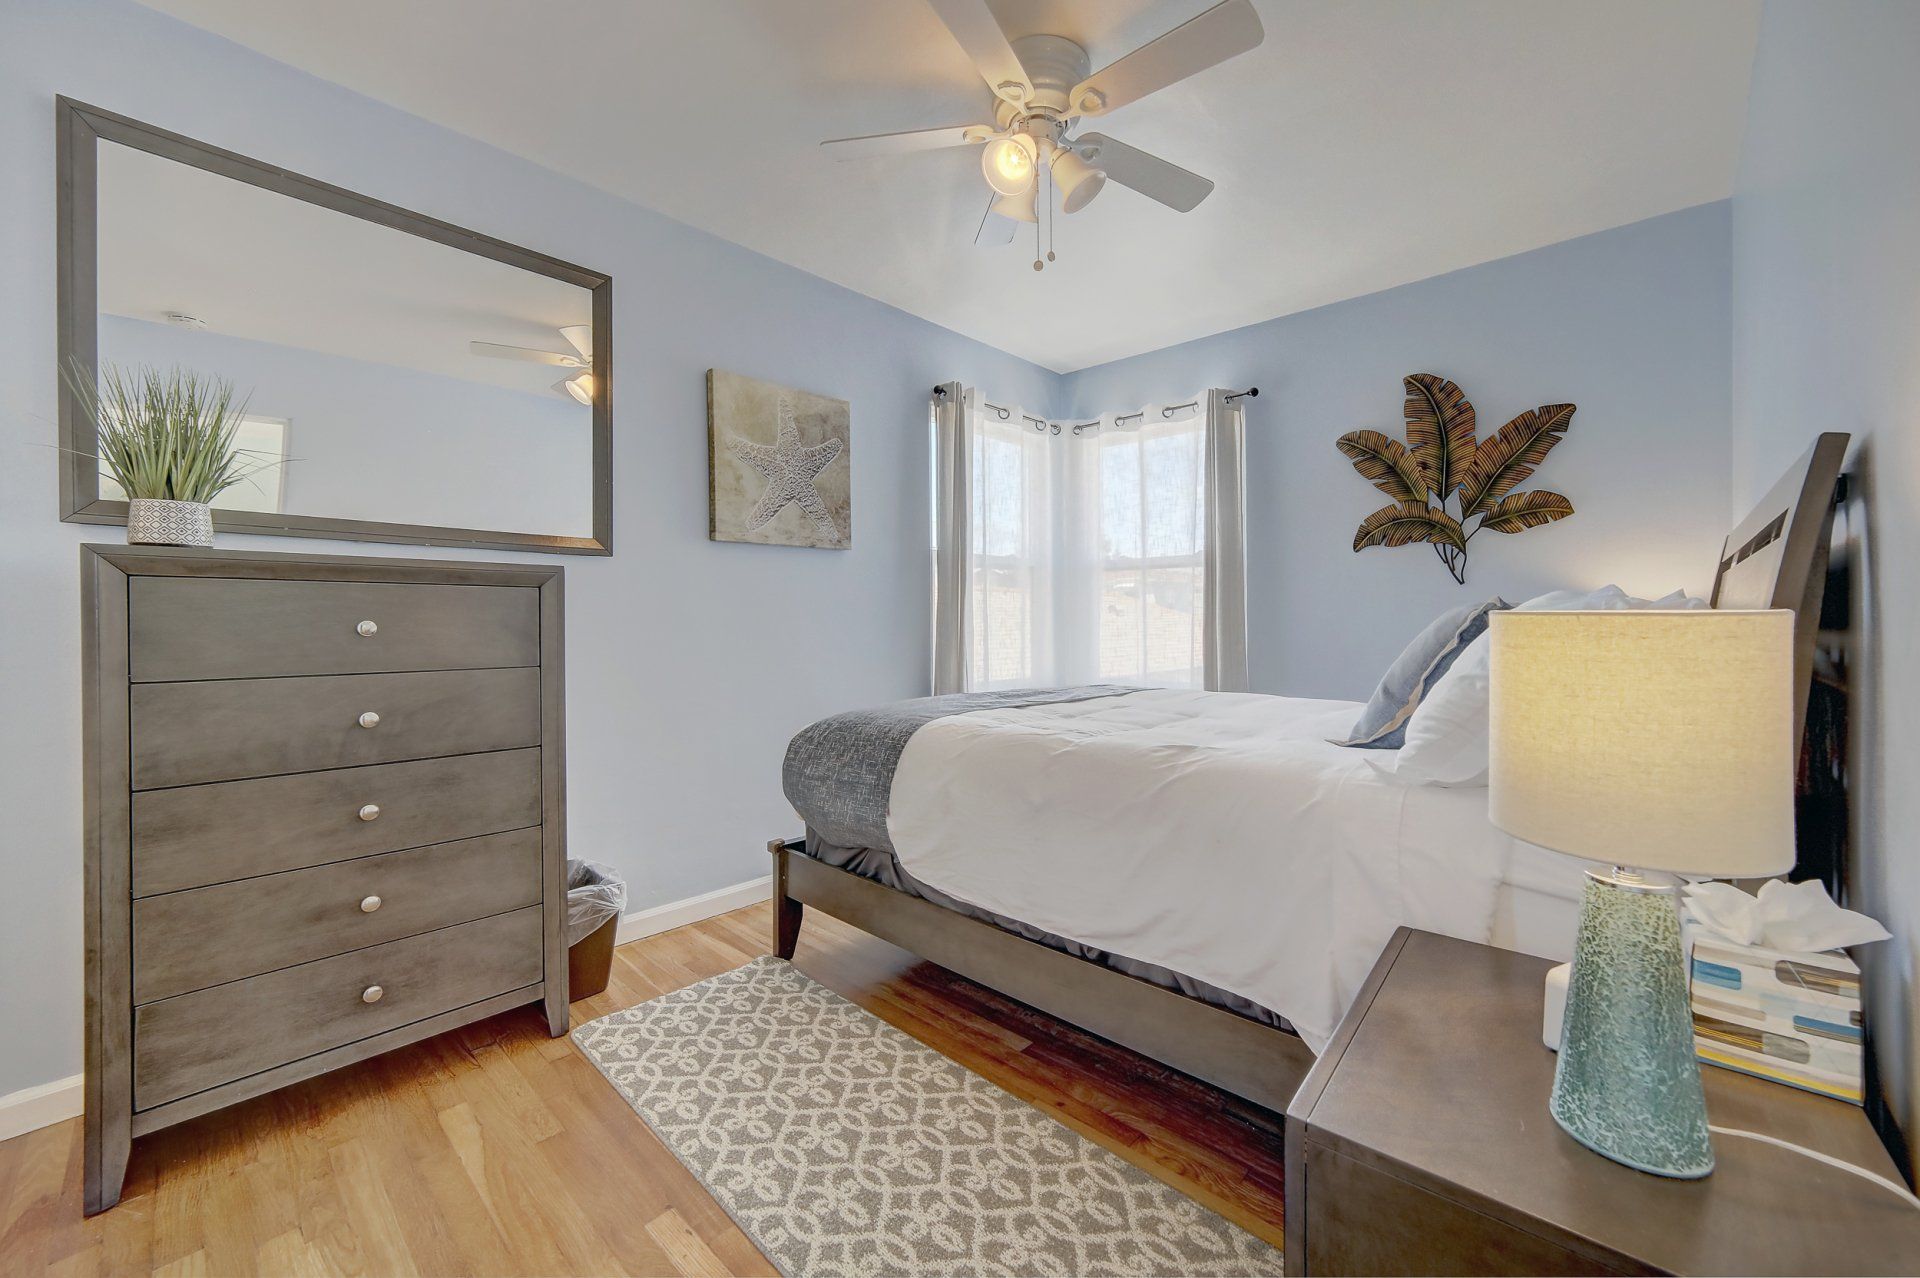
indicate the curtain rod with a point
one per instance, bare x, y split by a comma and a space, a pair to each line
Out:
1040, 424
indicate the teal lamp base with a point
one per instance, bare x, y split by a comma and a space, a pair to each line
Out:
1627, 1084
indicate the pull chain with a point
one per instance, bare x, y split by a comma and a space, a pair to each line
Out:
1050, 212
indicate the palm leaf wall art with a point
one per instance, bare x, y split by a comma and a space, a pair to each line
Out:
1444, 462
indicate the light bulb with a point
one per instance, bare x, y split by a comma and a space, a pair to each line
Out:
581, 388
1008, 164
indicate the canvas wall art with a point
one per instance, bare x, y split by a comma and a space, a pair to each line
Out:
778, 464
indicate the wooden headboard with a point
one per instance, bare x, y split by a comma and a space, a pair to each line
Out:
1777, 556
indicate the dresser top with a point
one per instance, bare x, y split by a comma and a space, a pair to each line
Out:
218, 561
1438, 1076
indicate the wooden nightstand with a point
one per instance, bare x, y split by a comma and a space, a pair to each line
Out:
1420, 1143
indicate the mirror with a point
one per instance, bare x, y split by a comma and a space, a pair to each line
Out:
405, 380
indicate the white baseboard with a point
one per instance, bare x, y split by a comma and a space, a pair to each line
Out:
35, 1107
664, 918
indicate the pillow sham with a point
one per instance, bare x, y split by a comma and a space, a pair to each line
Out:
1446, 740
1383, 723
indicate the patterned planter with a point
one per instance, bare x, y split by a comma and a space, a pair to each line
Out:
152, 521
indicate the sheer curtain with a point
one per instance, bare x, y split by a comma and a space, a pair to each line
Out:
1114, 552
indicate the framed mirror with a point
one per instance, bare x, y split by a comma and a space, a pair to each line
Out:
405, 380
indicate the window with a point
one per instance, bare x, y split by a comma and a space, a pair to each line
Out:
1087, 554
1152, 555
1012, 538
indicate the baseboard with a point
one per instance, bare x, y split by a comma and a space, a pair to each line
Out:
35, 1107
664, 918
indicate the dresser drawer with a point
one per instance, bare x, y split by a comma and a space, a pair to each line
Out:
195, 835
195, 1041
187, 733
189, 940
237, 628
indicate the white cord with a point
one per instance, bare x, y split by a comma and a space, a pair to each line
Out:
1817, 1156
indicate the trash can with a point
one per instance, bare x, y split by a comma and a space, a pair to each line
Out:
595, 895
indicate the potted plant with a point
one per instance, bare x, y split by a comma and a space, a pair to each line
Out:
167, 438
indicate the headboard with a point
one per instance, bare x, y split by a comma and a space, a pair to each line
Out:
1777, 556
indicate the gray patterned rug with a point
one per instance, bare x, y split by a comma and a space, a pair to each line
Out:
844, 1147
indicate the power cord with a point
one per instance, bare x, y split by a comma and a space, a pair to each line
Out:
1829, 1160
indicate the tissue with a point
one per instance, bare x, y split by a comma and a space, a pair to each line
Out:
1799, 917
1771, 993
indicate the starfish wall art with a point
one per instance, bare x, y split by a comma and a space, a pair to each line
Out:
777, 463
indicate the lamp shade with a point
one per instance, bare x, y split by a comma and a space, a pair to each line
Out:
1661, 740
1078, 181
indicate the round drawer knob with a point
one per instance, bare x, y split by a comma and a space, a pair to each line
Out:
369, 811
370, 720
367, 629
371, 994
369, 904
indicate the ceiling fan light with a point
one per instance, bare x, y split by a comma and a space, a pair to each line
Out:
581, 388
1078, 181
1009, 164
1019, 207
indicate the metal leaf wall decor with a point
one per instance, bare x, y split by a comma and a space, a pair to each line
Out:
1445, 476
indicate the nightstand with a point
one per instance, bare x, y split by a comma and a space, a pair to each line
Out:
1420, 1143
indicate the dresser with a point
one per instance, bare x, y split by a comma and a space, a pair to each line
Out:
325, 817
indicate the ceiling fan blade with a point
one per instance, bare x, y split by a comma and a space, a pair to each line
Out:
580, 337
994, 230
1224, 31
527, 353
978, 32
876, 145
1150, 175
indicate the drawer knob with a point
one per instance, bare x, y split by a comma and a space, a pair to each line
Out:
371, 994
369, 904
369, 811
370, 720
367, 629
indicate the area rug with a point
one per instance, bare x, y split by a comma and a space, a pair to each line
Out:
842, 1146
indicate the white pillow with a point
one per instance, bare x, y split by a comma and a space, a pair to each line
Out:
1447, 737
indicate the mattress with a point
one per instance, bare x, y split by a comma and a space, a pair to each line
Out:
1217, 842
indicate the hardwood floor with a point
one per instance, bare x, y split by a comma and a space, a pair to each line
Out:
497, 1150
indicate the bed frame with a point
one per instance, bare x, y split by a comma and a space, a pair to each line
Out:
1775, 558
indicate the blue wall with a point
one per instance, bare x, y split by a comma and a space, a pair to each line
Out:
689, 662
1826, 323
1629, 324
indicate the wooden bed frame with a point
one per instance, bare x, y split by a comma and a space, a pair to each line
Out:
1775, 558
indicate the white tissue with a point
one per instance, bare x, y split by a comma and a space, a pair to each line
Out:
1798, 917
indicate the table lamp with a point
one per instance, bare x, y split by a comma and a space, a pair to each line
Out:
1660, 743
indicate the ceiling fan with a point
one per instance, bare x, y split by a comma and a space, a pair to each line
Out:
1042, 88
579, 336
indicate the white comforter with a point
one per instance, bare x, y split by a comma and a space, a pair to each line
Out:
1219, 835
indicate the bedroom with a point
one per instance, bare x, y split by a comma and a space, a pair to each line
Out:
1692, 223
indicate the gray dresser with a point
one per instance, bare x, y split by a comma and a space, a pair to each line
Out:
325, 817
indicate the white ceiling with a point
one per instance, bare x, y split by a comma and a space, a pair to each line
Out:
1367, 143
252, 263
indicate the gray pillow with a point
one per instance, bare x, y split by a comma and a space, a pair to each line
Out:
1383, 724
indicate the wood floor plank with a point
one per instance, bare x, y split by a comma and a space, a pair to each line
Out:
691, 1256
494, 1149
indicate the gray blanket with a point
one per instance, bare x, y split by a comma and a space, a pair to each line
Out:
839, 772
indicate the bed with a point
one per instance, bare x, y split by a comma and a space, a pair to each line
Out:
1202, 877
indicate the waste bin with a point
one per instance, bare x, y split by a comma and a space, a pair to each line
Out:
595, 895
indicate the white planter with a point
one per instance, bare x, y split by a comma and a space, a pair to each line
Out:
152, 521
